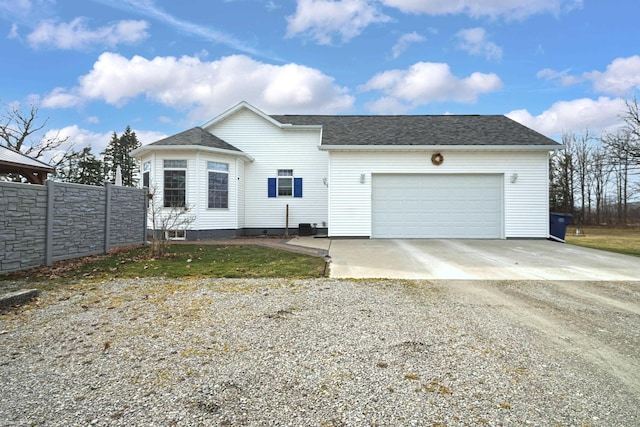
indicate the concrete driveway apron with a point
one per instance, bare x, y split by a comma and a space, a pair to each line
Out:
476, 260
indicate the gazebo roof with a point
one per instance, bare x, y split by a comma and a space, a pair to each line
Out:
33, 170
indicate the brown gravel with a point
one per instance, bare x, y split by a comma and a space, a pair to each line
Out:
323, 352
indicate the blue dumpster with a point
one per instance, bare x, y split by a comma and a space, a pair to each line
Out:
558, 225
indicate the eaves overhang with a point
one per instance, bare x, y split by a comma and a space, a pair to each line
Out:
440, 147
141, 151
43, 168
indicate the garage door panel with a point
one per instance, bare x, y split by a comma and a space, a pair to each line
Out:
437, 206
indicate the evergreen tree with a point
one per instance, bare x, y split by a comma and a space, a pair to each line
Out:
117, 154
82, 168
90, 168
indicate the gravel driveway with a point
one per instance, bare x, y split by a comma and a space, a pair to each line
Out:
323, 352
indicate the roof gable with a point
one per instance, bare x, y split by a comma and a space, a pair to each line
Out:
235, 109
195, 137
446, 130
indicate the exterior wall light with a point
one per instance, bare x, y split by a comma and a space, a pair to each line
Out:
514, 178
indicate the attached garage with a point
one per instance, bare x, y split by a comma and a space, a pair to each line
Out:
437, 206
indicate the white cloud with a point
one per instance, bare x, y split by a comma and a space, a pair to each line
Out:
16, 7
426, 82
79, 138
205, 87
404, 41
387, 105
147, 137
272, 5
510, 9
321, 19
13, 33
61, 98
75, 35
621, 77
149, 9
576, 116
476, 42
563, 77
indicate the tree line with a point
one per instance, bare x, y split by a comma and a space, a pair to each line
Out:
595, 177
83, 167
18, 129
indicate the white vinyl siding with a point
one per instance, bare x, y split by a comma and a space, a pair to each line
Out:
526, 206
239, 190
210, 218
275, 148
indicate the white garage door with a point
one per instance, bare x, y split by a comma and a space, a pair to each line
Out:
437, 206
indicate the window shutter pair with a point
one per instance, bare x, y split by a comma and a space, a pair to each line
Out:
272, 185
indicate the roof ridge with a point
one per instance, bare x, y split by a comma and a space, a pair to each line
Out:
387, 115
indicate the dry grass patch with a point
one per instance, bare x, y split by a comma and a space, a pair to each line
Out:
185, 261
621, 240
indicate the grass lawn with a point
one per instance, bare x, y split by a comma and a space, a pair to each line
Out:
182, 260
621, 240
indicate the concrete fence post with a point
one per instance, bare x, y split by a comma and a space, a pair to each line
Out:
145, 210
48, 251
107, 218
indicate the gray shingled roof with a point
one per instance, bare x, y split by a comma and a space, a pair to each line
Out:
196, 136
12, 157
420, 130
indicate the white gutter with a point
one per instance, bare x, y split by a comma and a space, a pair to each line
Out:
440, 147
138, 152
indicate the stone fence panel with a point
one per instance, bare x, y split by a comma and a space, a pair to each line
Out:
43, 224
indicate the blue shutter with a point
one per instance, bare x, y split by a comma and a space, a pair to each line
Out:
297, 187
272, 187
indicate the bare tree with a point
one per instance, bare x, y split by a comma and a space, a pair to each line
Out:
561, 176
18, 131
166, 220
600, 174
620, 148
582, 148
631, 119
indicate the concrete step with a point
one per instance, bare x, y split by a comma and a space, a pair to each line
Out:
18, 297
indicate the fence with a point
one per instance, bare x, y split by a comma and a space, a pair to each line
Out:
40, 224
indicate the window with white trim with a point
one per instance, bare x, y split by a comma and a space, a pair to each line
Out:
218, 177
285, 182
176, 235
146, 173
175, 183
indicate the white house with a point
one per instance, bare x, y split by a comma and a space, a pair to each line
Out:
249, 173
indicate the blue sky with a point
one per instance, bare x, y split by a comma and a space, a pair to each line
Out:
163, 66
